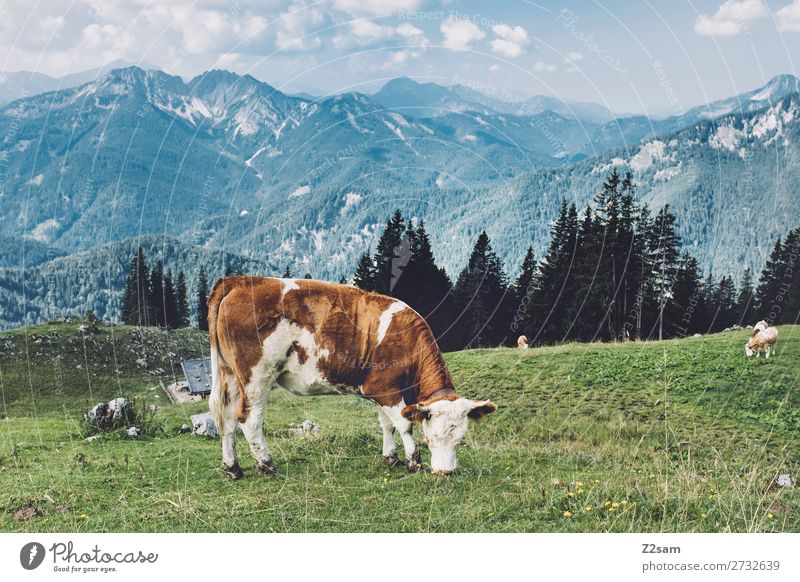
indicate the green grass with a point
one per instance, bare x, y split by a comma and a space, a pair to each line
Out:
684, 435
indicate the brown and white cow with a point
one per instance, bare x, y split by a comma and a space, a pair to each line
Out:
764, 339
312, 337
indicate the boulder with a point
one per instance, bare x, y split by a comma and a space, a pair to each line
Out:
784, 481
204, 424
133, 432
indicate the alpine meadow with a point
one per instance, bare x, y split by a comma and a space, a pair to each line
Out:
401, 266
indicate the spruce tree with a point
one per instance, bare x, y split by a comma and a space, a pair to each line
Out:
182, 301
769, 283
685, 314
481, 294
287, 273
171, 317
523, 284
744, 301
385, 256
136, 295
546, 317
364, 277
423, 285
666, 243
157, 295
202, 300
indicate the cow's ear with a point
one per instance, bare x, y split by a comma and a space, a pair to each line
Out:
481, 408
416, 413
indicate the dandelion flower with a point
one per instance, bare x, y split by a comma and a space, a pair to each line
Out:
624, 502
570, 494
770, 516
579, 484
612, 509
588, 508
567, 514
703, 515
580, 491
615, 505
606, 503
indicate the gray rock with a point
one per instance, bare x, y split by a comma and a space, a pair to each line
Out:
133, 432
784, 481
204, 424
305, 428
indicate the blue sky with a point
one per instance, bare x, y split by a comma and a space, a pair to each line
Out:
645, 56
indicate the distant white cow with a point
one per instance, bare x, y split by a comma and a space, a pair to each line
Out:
764, 339
522, 342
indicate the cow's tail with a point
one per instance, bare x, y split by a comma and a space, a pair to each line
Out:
219, 397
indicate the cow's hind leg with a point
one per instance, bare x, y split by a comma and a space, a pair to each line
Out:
253, 425
389, 447
224, 402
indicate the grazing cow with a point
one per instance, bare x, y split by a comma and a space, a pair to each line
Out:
312, 337
522, 342
764, 339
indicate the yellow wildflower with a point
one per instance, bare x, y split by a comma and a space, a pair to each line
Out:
570, 494
567, 514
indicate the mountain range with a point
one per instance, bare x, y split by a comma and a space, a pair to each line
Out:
226, 162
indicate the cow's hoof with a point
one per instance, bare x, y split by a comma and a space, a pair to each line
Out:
413, 467
392, 460
235, 472
268, 469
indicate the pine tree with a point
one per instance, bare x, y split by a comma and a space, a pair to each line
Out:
240, 268
157, 295
287, 273
364, 277
202, 300
171, 318
182, 301
135, 296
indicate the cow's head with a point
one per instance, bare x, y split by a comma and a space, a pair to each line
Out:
444, 424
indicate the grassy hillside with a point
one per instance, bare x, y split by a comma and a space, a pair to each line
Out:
682, 435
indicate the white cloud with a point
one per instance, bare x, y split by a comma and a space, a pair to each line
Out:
788, 17
494, 67
541, 67
510, 41
375, 7
572, 57
366, 32
293, 24
731, 18
458, 34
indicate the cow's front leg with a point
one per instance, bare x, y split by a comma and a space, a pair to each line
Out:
413, 458
404, 427
389, 447
253, 429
